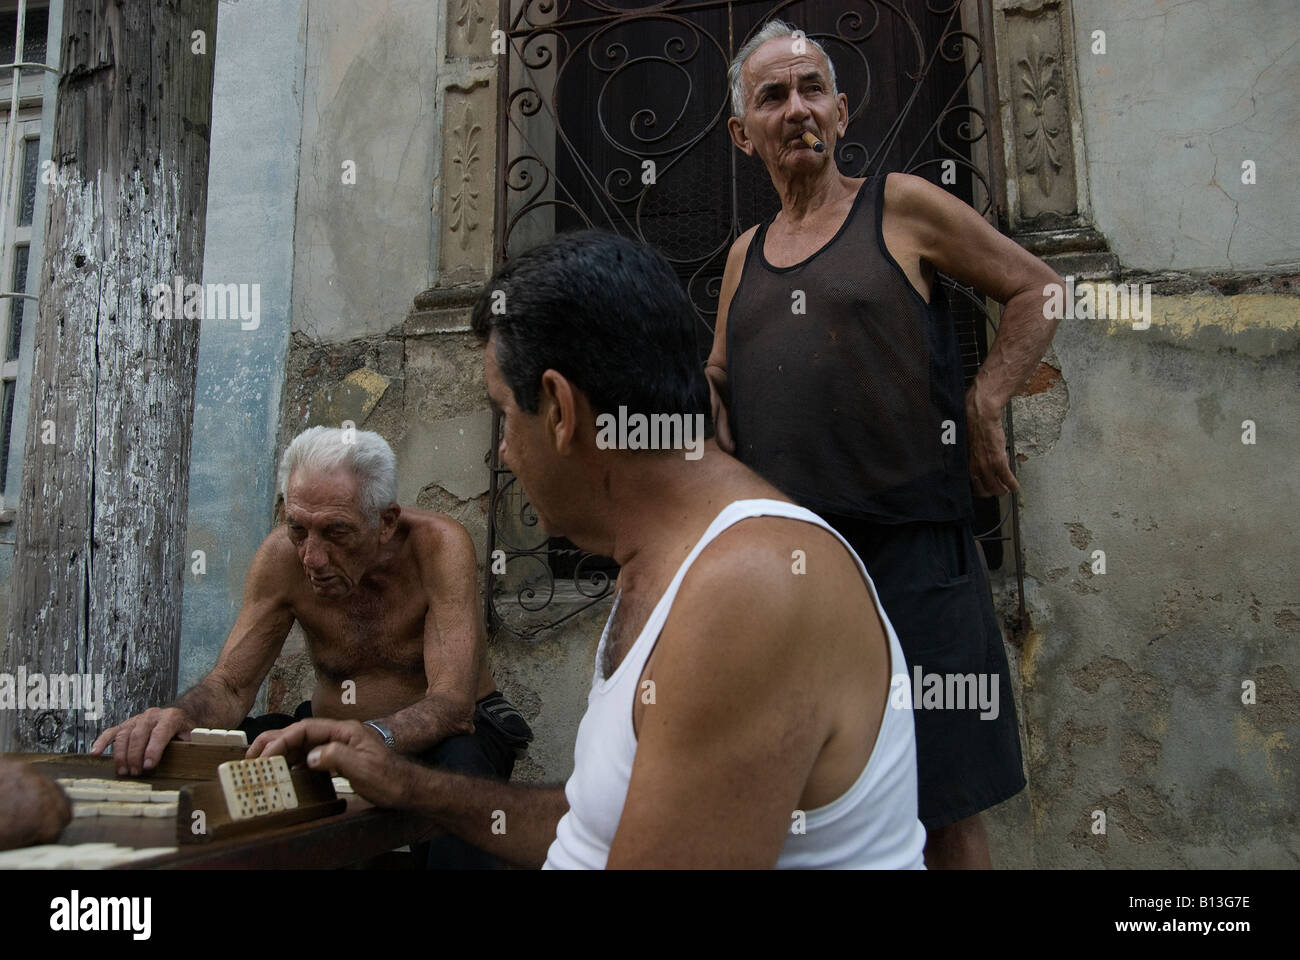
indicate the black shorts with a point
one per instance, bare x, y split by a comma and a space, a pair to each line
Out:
931, 581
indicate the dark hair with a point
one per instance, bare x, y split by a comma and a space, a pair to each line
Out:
606, 312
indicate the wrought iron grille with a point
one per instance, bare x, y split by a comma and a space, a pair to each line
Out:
590, 90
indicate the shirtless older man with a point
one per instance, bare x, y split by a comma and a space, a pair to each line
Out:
388, 600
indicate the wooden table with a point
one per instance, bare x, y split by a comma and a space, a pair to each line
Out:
360, 833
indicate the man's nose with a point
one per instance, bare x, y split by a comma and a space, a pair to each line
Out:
796, 108
313, 554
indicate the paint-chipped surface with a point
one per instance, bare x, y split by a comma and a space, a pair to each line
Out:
1132, 681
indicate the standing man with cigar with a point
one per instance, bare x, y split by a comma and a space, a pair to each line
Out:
836, 377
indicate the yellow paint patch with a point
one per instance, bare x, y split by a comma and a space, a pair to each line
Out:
1029, 652
355, 396
1183, 316
1250, 740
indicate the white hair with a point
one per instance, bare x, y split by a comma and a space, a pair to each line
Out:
770, 31
364, 452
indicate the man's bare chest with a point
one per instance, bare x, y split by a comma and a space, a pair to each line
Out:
786, 245
792, 249
366, 634
625, 625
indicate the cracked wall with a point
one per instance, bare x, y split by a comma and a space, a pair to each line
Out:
1186, 92
1130, 684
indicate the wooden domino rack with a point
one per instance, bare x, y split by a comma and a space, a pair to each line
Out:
187, 779
305, 837
247, 796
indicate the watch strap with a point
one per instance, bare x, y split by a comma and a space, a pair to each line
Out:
383, 731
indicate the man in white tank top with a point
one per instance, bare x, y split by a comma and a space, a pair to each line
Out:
742, 712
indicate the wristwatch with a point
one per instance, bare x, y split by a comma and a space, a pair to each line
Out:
383, 732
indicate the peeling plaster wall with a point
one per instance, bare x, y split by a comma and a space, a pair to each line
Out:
1130, 442
1131, 680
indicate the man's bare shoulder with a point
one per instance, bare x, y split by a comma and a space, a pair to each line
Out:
760, 614
918, 205
277, 551
905, 191
433, 527
436, 538
276, 569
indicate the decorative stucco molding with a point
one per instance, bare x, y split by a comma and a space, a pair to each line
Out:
1048, 208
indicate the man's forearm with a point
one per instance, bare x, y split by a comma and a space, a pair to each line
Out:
428, 722
210, 703
513, 821
1023, 336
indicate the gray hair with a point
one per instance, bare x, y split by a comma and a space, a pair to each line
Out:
364, 452
770, 31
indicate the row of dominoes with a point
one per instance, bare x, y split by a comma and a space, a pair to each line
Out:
116, 790
225, 738
257, 787
158, 809
80, 856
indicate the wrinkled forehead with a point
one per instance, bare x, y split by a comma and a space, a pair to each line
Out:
311, 492
776, 62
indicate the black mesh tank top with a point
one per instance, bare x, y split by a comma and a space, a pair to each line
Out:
843, 406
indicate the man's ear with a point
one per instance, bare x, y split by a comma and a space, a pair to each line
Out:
842, 120
736, 127
558, 407
388, 522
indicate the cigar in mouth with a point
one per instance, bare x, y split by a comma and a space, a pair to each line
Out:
812, 141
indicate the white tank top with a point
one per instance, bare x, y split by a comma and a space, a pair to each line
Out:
873, 824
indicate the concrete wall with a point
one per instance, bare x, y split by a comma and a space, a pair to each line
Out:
362, 250
1132, 680
1134, 684
1184, 93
